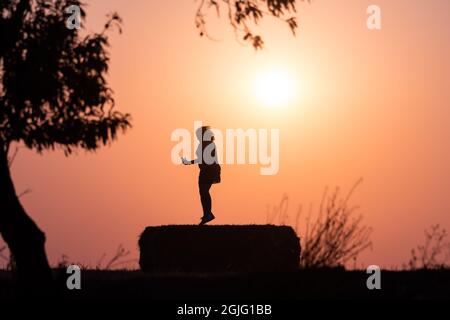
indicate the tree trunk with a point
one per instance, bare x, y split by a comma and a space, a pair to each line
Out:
25, 240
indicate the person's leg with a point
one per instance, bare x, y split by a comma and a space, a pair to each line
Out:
205, 198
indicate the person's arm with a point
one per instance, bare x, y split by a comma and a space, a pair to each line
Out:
187, 162
198, 154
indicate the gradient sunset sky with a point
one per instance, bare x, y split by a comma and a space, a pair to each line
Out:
371, 104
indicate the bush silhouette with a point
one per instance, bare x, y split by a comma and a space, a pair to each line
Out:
334, 237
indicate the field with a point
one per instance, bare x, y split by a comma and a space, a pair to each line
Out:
301, 284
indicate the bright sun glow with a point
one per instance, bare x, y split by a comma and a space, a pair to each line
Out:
274, 88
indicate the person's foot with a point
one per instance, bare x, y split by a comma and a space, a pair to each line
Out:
207, 219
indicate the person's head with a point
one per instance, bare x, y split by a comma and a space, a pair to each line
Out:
204, 134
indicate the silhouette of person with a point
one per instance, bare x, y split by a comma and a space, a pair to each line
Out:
206, 158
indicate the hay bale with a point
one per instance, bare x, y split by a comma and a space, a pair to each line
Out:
187, 248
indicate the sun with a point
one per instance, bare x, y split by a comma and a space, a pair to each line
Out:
274, 87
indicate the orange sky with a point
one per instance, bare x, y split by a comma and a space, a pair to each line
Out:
371, 104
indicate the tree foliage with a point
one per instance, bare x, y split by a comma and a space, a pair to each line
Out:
53, 89
244, 14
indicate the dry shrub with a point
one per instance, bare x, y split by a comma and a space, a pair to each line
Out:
336, 236
434, 253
